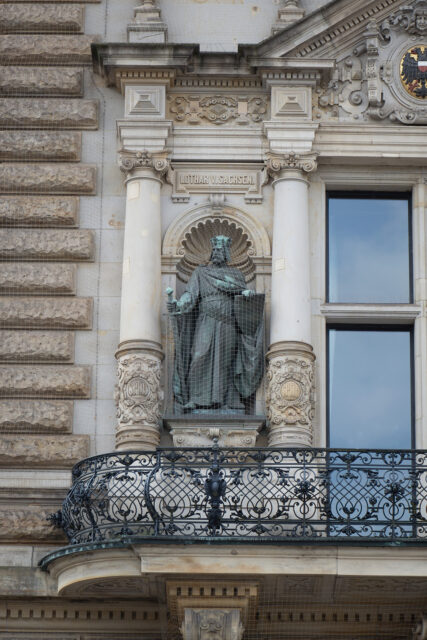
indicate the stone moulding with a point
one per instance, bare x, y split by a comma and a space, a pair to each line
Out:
44, 211
45, 313
40, 145
38, 278
49, 178
36, 346
36, 81
46, 244
71, 113
62, 381
218, 109
36, 416
39, 49
33, 451
40, 18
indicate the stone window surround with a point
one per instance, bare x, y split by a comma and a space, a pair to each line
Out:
376, 179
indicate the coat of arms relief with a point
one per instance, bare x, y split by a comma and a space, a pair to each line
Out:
384, 78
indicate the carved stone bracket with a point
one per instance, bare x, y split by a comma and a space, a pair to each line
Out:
290, 394
277, 164
420, 631
130, 161
212, 624
138, 400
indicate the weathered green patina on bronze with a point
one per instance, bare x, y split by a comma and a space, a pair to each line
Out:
218, 331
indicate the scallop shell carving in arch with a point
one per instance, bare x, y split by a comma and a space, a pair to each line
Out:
195, 247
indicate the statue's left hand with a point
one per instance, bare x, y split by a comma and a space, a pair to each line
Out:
248, 293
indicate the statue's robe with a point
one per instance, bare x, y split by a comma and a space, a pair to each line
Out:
215, 363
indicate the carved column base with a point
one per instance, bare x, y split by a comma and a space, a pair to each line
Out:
290, 394
138, 396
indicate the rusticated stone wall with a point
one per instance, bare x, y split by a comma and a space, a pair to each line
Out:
43, 116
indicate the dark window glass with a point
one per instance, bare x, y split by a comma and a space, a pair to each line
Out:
370, 389
369, 249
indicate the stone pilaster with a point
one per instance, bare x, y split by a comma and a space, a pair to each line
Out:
139, 355
290, 374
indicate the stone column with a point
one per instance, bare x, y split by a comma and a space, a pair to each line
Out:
290, 374
140, 352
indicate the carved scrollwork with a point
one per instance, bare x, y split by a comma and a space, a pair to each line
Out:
291, 161
218, 109
290, 391
159, 163
138, 392
410, 18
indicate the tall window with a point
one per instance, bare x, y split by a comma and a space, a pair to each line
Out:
370, 387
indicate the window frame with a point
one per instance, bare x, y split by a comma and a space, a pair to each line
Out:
390, 328
354, 194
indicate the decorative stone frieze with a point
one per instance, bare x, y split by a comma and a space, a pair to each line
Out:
26, 81
45, 313
36, 416
31, 381
159, 163
58, 452
46, 48
27, 523
46, 244
50, 112
43, 211
138, 400
36, 346
205, 624
41, 17
290, 394
276, 164
40, 145
217, 109
30, 278
50, 178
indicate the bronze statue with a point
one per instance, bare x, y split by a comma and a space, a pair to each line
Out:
218, 332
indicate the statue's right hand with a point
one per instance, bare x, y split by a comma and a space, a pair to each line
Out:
171, 306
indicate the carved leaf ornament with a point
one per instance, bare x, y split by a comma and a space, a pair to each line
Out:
138, 390
290, 390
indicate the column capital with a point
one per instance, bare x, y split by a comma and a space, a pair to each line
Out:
132, 163
291, 165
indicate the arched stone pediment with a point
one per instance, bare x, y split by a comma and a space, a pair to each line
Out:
187, 239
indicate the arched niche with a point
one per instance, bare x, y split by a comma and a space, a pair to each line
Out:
186, 243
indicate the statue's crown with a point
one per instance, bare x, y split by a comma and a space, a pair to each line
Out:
220, 242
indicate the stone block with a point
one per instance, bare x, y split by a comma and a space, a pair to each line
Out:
41, 18
43, 211
36, 346
70, 113
41, 381
28, 523
40, 145
45, 313
46, 244
49, 178
58, 81
45, 49
19, 277
49, 416
52, 451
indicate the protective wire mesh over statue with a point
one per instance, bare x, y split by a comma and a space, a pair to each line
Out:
218, 331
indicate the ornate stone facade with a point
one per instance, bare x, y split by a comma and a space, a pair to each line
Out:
138, 399
290, 394
218, 109
212, 624
159, 163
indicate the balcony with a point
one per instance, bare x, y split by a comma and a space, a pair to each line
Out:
280, 496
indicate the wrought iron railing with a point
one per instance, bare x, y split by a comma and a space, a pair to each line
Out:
225, 495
